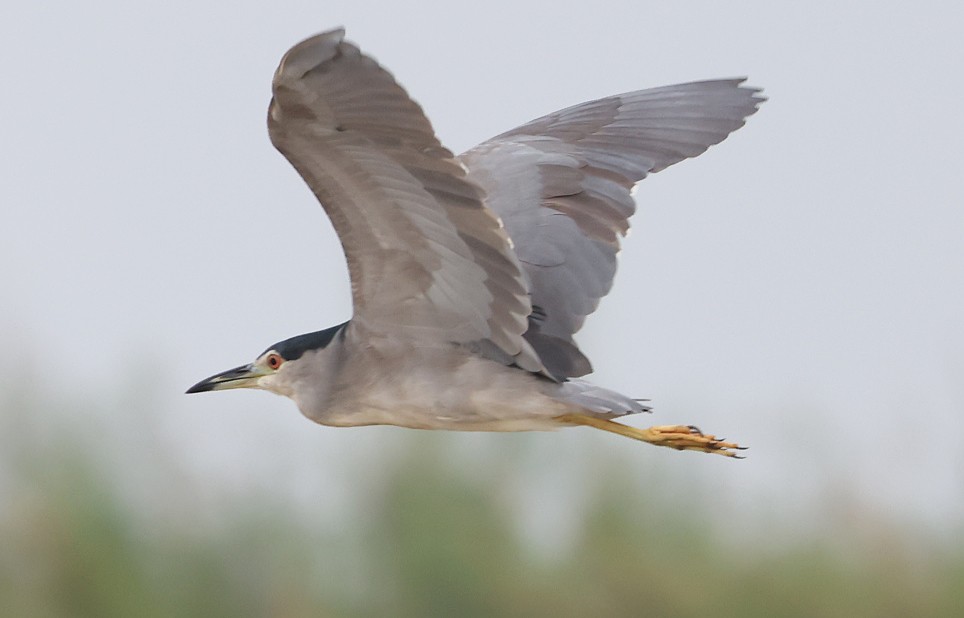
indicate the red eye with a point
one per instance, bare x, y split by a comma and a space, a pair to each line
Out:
274, 360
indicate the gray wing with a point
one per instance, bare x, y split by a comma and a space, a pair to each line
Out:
427, 259
562, 185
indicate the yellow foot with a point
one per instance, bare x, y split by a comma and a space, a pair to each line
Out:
680, 437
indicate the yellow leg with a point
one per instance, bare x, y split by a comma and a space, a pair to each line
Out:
680, 437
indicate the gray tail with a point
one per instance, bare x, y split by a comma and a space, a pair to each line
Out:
599, 401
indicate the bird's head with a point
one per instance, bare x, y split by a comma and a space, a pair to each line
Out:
279, 368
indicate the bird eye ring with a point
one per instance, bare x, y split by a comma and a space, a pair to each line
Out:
274, 360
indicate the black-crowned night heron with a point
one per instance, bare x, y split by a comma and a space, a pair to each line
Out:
470, 274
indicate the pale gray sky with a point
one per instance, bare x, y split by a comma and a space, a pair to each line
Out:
797, 287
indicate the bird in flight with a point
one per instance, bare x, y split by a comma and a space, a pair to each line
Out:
470, 274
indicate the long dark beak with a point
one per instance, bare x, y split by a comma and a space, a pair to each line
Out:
245, 376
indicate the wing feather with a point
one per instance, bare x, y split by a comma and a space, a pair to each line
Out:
425, 256
562, 185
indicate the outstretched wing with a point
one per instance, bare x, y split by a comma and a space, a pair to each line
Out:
427, 259
562, 186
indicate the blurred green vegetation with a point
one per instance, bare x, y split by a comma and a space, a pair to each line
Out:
430, 541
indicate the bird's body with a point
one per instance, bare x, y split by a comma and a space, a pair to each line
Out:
362, 378
470, 274
477, 393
